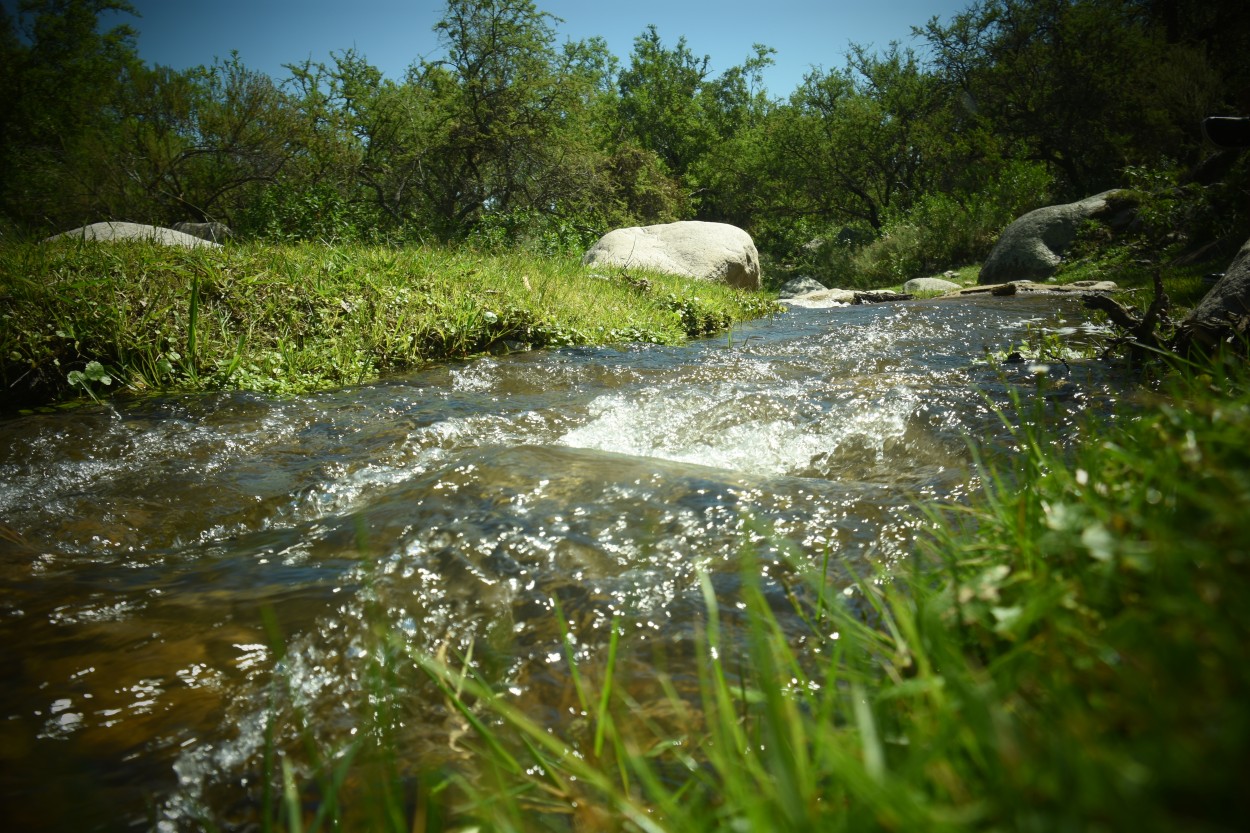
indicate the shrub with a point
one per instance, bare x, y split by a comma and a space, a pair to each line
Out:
321, 213
939, 231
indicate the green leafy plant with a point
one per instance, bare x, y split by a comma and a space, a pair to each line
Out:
91, 375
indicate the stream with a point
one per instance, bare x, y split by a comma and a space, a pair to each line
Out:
175, 571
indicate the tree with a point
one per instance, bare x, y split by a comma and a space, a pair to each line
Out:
64, 81
226, 136
661, 106
856, 144
499, 99
364, 140
1085, 86
730, 176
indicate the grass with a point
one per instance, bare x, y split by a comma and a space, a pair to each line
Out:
289, 319
1134, 274
1065, 652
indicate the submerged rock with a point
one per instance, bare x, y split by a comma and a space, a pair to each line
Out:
799, 286
822, 298
844, 297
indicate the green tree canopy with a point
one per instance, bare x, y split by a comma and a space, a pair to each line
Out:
65, 81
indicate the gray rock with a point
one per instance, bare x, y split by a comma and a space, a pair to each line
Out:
133, 231
880, 296
843, 297
213, 232
1032, 247
930, 285
822, 299
707, 251
1092, 286
1013, 287
799, 286
1223, 314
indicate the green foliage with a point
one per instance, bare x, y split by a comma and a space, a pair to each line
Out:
939, 231
858, 143
1185, 232
93, 373
1110, 629
532, 231
511, 138
660, 101
1052, 78
319, 213
504, 93
64, 87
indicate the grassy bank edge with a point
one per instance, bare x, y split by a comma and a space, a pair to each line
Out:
86, 320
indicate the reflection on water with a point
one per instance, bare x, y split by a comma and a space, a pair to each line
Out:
179, 574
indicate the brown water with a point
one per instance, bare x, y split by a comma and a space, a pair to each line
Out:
144, 544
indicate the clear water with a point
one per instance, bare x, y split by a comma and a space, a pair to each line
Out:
145, 546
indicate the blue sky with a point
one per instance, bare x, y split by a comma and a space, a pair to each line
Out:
392, 34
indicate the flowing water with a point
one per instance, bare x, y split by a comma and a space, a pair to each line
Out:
178, 574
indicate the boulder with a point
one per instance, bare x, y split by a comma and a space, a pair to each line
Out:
708, 251
1223, 315
799, 286
1032, 247
213, 232
929, 285
133, 231
823, 298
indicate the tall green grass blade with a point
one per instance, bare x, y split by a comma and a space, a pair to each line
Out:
870, 742
193, 327
602, 718
291, 800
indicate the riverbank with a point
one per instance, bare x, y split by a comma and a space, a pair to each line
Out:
88, 320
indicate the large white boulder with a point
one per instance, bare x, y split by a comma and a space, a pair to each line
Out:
707, 251
133, 231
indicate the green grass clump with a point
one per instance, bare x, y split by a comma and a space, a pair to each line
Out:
1065, 652
87, 318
